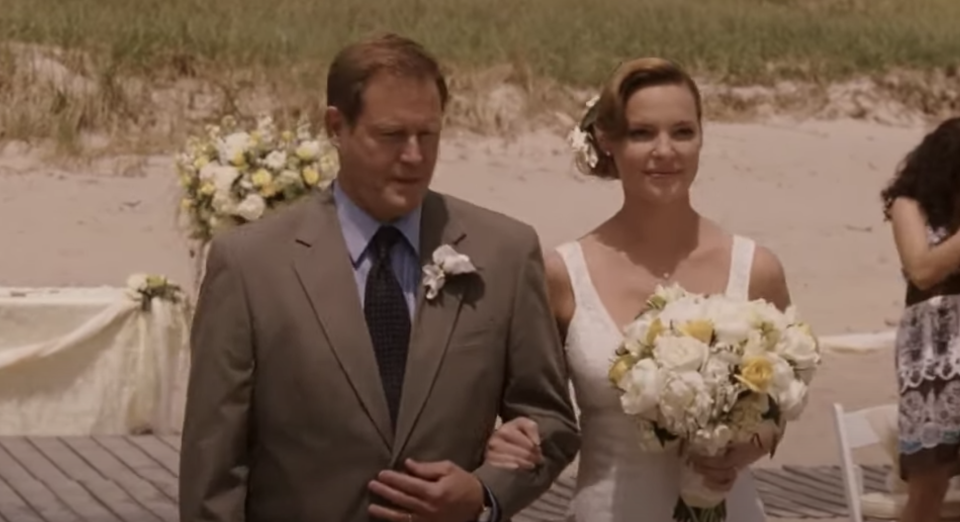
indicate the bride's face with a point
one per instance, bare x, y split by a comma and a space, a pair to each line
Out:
658, 158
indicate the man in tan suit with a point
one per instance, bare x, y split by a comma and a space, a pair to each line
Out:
327, 383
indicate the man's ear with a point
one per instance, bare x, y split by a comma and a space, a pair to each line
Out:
335, 124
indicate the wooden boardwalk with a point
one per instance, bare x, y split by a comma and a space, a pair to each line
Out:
134, 479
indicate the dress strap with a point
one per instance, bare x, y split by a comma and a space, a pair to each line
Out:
741, 265
572, 255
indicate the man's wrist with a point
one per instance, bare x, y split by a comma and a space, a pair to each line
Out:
489, 511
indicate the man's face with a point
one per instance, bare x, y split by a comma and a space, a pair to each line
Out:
388, 155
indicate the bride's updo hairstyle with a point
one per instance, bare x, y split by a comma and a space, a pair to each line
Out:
608, 114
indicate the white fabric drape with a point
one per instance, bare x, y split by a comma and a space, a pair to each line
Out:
81, 361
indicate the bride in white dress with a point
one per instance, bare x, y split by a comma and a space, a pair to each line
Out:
646, 129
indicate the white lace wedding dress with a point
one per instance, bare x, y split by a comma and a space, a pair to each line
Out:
616, 481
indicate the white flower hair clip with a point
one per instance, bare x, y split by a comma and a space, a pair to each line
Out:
579, 138
447, 262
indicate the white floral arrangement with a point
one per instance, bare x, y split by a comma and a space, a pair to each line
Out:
699, 373
447, 263
233, 176
581, 141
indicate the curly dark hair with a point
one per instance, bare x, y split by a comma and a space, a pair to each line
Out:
930, 175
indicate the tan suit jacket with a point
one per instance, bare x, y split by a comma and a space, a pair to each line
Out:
286, 419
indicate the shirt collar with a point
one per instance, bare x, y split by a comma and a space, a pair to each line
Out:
359, 227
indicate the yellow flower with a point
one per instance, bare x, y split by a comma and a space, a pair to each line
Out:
756, 373
200, 162
207, 188
261, 178
239, 159
186, 180
155, 281
311, 176
186, 203
268, 190
701, 330
656, 302
620, 367
286, 135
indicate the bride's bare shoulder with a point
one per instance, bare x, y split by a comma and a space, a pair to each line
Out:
768, 279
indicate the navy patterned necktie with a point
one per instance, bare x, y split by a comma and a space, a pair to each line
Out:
388, 318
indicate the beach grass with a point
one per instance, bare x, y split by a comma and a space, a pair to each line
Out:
569, 42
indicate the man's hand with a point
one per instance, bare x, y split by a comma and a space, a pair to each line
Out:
429, 492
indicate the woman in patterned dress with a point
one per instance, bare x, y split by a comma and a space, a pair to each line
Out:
923, 204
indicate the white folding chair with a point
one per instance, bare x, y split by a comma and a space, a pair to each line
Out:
856, 429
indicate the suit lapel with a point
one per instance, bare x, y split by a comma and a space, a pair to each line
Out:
323, 266
433, 322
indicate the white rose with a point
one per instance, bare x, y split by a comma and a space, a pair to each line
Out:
680, 354
767, 312
276, 160
221, 176
137, 282
717, 366
755, 345
731, 320
288, 178
783, 374
684, 401
452, 262
251, 208
798, 346
224, 203
233, 148
308, 150
682, 311
641, 389
792, 400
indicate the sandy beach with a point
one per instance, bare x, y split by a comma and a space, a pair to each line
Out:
809, 191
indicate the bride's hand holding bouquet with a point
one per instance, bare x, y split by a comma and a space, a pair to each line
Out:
709, 377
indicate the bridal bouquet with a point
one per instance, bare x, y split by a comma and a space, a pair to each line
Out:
233, 176
699, 373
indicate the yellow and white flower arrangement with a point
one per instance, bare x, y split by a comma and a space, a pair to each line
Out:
699, 373
233, 176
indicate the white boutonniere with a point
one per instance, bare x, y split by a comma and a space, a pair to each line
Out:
447, 262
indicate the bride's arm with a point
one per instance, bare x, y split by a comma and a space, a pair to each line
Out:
768, 281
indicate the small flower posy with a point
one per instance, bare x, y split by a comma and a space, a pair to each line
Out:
580, 141
143, 288
447, 262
